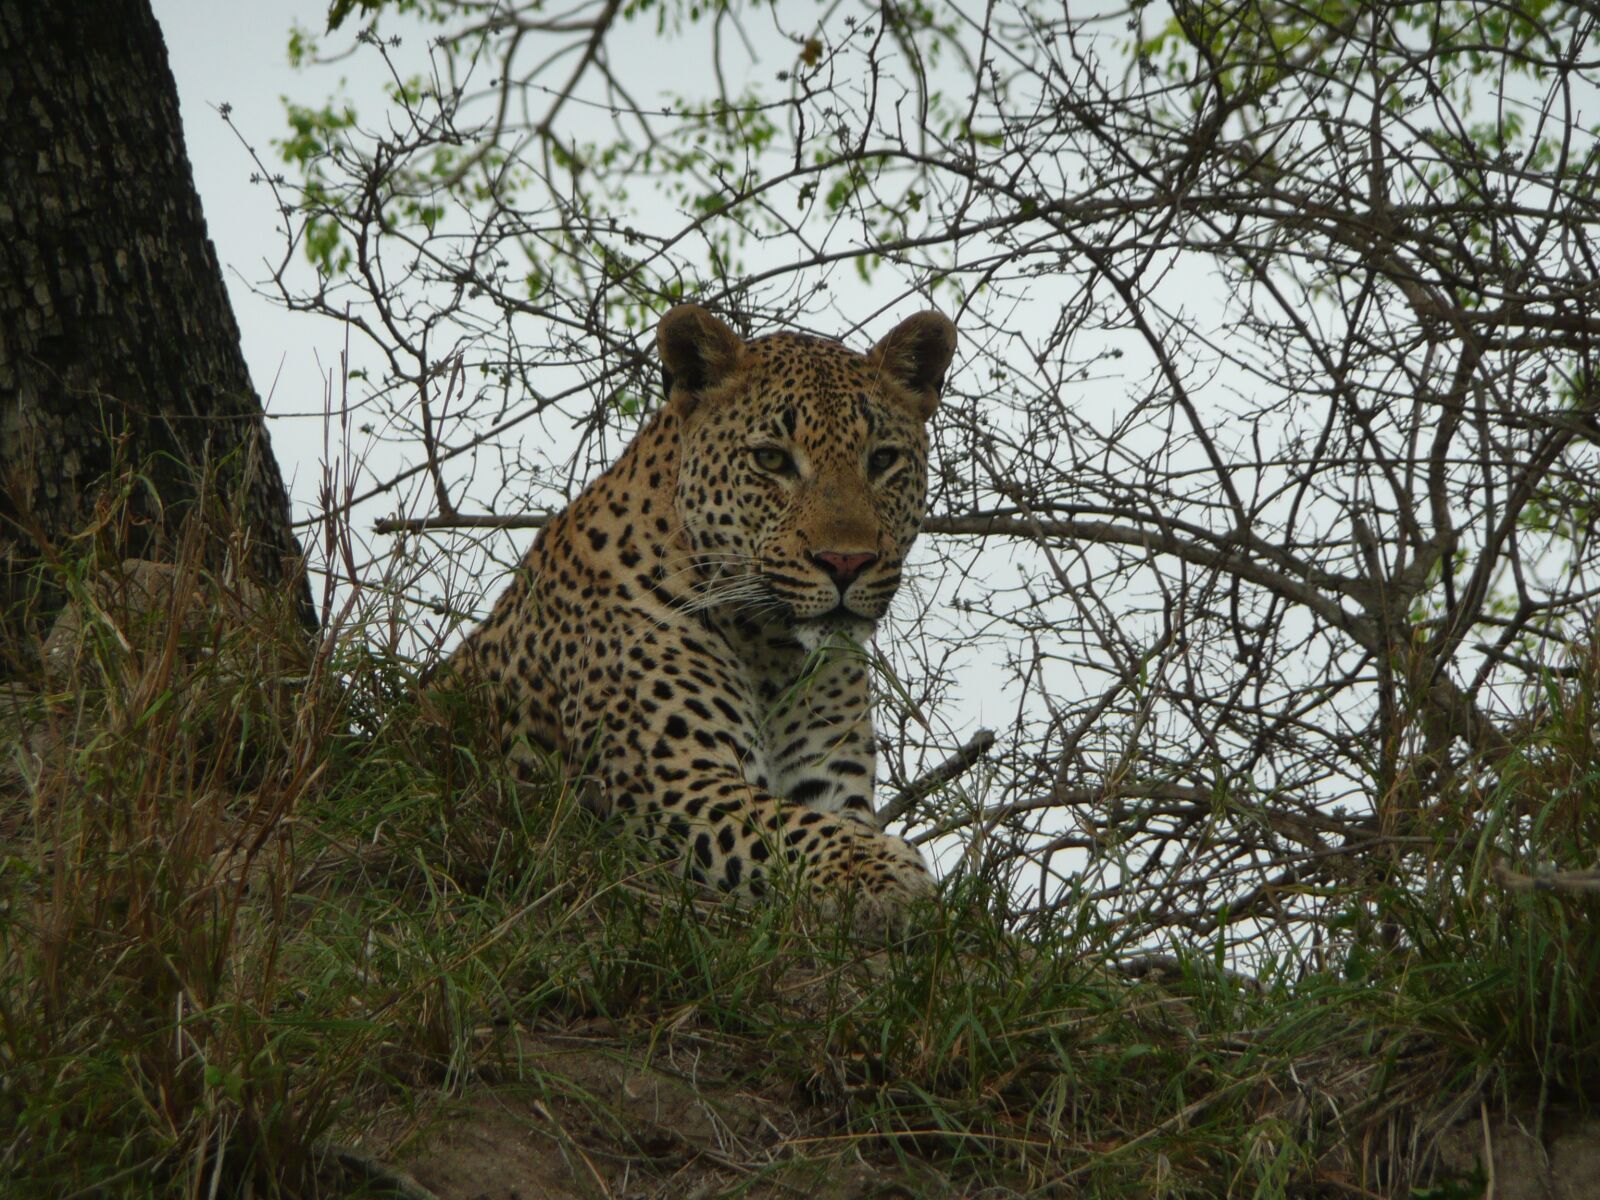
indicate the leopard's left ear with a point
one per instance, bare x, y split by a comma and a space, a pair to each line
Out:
916, 355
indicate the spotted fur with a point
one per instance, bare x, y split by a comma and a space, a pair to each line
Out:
687, 633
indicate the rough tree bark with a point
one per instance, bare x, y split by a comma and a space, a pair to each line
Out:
118, 347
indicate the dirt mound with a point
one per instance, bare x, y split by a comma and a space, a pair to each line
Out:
1557, 1159
590, 1118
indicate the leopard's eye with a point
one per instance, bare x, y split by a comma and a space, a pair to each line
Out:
772, 460
881, 460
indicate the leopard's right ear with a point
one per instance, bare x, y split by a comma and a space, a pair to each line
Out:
698, 352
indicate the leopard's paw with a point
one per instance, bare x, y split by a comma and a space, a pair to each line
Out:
878, 882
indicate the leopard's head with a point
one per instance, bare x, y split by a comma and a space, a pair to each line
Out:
803, 468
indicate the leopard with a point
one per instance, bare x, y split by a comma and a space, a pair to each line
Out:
691, 635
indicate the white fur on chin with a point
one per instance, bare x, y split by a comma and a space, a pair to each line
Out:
814, 634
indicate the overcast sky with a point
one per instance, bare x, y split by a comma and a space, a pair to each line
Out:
236, 54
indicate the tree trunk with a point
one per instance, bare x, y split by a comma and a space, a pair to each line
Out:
118, 347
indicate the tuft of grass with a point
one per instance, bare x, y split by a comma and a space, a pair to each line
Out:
145, 872
1494, 932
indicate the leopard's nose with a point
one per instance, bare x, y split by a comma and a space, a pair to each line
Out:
843, 568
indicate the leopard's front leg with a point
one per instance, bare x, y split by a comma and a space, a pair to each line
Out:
695, 801
819, 736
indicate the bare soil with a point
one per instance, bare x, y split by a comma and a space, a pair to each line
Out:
591, 1119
